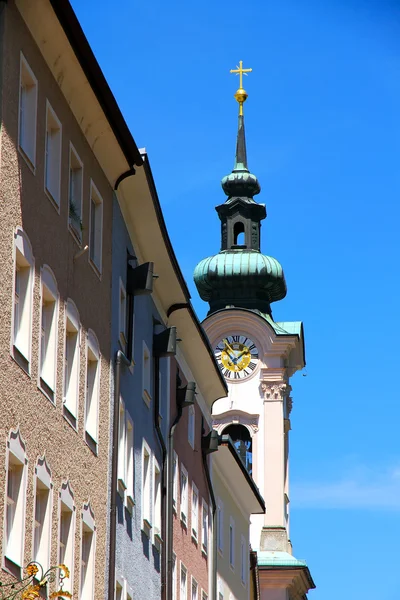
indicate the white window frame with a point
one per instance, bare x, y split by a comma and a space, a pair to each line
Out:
66, 504
183, 592
122, 449
48, 332
41, 542
96, 229
220, 525
184, 496
156, 501
53, 156
195, 512
71, 370
15, 509
27, 123
232, 543
194, 584
204, 595
129, 462
75, 193
92, 395
146, 488
122, 335
191, 425
146, 374
174, 575
205, 526
21, 326
87, 577
243, 560
175, 467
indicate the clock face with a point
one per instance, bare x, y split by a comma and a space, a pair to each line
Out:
237, 356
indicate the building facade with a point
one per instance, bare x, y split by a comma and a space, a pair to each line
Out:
257, 357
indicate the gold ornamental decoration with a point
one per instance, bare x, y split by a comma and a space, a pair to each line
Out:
36, 579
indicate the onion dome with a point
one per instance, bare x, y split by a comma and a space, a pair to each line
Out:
240, 275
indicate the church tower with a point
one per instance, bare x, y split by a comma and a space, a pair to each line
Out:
257, 356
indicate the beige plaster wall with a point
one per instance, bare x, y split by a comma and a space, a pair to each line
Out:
24, 203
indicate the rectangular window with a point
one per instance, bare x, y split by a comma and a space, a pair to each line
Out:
195, 510
121, 449
23, 300
191, 425
220, 525
48, 325
122, 316
130, 467
183, 590
184, 494
204, 595
87, 560
71, 363
52, 167
96, 227
92, 388
146, 374
42, 524
195, 590
75, 192
28, 88
119, 591
157, 500
205, 527
15, 506
232, 543
174, 576
175, 485
146, 498
243, 560
66, 536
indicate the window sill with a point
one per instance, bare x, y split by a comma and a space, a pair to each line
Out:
204, 550
27, 159
184, 520
12, 568
194, 539
130, 503
70, 418
95, 267
146, 398
146, 528
46, 390
76, 237
91, 443
21, 360
56, 205
121, 487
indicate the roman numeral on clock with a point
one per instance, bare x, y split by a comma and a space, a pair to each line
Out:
227, 373
235, 338
252, 366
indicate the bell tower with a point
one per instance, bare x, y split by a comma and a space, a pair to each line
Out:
258, 357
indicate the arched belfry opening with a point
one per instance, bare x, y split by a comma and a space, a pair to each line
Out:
241, 438
239, 238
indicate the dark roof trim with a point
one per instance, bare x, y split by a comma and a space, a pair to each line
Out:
203, 336
83, 52
226, 440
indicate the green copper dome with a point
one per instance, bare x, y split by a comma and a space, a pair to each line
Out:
240, 275
239, 278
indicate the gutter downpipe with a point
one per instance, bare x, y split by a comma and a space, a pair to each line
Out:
120, 359
170, 485
165, 534
204, 453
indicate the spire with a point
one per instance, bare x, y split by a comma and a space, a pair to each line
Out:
241, 183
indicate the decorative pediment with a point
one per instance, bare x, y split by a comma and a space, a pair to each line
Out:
236, 417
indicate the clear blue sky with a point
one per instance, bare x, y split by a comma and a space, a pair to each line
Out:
323, 136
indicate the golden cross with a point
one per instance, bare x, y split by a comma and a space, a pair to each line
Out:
240, 71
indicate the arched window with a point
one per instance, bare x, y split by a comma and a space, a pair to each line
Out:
48, 329
239, 238
242, 442
24, 274
15, 508
43, 508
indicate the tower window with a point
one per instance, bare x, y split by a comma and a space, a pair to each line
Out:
242, 442
239, 238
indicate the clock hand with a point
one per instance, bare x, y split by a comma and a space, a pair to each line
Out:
242, 352
228, 346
